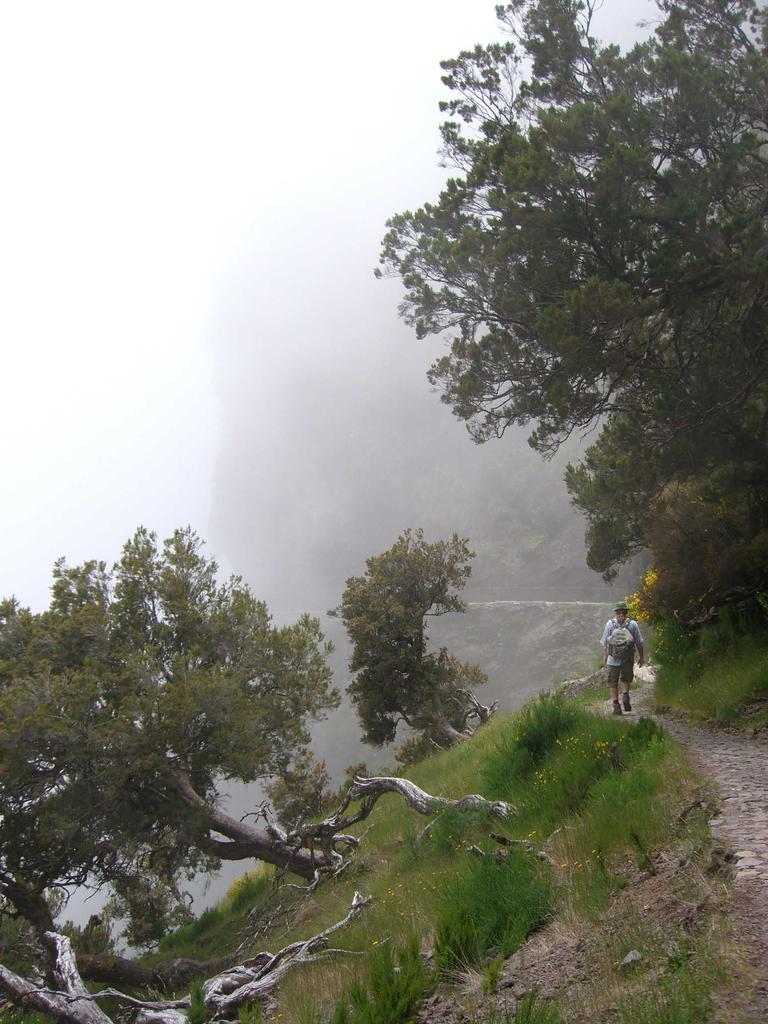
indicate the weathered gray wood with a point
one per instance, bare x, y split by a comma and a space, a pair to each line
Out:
420, 800
72, 1003
223, 994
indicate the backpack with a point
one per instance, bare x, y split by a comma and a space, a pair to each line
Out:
621, 643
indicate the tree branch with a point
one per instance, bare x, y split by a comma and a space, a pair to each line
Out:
270, 843
73, 1003
423, 802
223, 994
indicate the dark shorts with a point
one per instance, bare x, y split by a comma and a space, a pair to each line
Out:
625, 672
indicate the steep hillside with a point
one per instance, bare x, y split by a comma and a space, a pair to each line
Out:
611, 877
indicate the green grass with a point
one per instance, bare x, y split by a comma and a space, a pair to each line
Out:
625, 816
490, 904
726, 687
531, 1009
679, 999
549, 761
211, 934
391, 993
197, 1012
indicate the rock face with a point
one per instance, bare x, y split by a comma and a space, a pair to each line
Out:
525, 647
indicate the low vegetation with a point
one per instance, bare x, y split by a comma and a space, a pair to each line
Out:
392, 991
604, 819
718, 673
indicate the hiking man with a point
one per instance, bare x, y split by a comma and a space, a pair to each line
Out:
621, 638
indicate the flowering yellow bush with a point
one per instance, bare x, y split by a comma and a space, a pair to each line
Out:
641, 604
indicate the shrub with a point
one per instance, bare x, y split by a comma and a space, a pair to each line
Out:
95, 937
710, 547
717, 685
537, 726
392, 992
493, 904
543, 721
197, 1012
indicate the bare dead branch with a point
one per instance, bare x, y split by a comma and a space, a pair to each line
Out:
423, 802
482, 712
72, 1004
264, 977
223, 994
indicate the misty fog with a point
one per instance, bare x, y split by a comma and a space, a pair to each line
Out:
193, 333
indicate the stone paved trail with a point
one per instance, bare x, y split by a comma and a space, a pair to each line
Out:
738, 766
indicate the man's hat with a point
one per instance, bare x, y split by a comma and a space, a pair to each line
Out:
621, 607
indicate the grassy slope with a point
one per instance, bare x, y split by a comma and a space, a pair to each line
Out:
726, 687
614, 828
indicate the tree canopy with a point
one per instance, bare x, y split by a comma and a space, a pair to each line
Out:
125, 706
397, 677
601, 255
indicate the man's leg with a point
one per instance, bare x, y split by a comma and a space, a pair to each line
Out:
627, 675
613, 686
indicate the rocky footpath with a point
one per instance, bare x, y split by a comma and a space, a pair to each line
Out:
736, 765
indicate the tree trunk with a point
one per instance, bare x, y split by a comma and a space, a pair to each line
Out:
243, 840
470, 708
28, 901
474, 709
443, 726
167, 976
73, 1003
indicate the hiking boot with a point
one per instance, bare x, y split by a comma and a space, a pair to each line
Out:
625, 701
617, 708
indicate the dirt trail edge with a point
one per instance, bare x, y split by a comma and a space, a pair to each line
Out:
737, 764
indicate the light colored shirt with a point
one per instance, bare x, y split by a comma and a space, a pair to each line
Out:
629, 624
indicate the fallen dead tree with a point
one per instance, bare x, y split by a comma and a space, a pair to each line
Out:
314, 850
327, 833
317, 846
166, 976
223, 994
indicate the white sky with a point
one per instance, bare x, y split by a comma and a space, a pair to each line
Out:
159, 158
